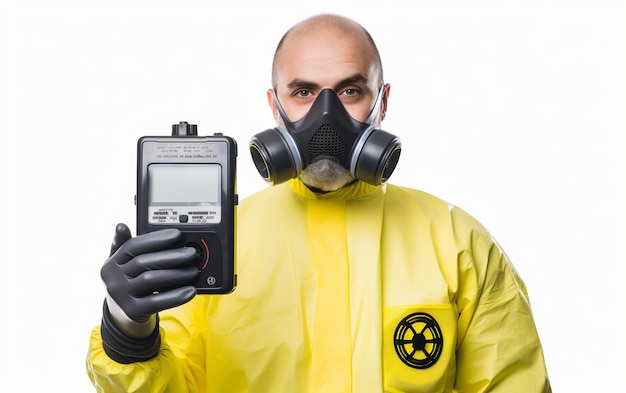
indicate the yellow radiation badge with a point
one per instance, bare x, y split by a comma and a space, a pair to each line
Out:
418, 347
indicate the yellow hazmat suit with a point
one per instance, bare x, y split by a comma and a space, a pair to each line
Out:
366, 289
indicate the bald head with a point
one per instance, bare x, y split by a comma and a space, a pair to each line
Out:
336, 25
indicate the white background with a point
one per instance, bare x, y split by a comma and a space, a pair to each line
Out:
513, 110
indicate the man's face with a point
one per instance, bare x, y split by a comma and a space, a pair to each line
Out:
309, 63
321, 59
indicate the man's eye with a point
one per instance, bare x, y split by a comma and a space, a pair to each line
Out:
350, 92
303, 93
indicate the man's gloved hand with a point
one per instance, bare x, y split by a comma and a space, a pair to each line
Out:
144, 275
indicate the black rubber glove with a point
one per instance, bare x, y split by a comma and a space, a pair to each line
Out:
144, 275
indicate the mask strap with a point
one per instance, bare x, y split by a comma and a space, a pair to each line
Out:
281, 111
376, 108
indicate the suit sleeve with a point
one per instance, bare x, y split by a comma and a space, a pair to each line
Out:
498, 350
178, 367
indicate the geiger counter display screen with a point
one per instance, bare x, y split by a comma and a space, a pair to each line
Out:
184, 193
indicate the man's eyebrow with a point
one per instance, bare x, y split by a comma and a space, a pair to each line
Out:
352, 80
302, 84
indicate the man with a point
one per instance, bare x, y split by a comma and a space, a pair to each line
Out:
345, 284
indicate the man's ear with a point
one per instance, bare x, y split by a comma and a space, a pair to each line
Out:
384, 100
272, 104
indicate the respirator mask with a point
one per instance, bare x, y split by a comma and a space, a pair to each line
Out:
327, 131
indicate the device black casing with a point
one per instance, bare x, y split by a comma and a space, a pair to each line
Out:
215, 243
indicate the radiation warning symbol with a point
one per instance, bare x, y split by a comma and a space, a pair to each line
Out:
418, 340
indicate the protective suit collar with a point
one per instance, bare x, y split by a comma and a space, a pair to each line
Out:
355, 190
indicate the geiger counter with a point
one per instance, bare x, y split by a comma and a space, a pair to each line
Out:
187, 181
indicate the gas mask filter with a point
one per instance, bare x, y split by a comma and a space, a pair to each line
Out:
326, 131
